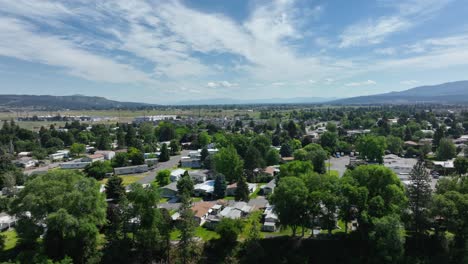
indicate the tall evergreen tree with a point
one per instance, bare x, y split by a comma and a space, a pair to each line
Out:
419, 195
219, 186
164, 155
242, 190
115, 189
187, 247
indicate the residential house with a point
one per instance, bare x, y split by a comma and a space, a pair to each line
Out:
201, 211
93, 158
188, 162
6, 221
170, 190
74, 165
269, 225
131, 169
231, 188
268, 188
26, 162
108, 154
204, 189
177, 174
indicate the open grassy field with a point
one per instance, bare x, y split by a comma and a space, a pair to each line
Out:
127, 179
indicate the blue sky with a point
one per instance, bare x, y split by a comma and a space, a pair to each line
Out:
178, 50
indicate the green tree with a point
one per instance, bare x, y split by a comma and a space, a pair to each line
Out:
286, 150
253, 159
229, 229
272, 157
387, 240
228, 163
77, 149
204, 139
186, 248
185, 185
419, 196
242, 190
219, 186
290, 202
150, 236
395, 145
120, 160
98, 169
135, 156
72, 217
461, 165
174, 146
329, 141
164, 155
296, 168
446, 150
163, 177
372, 147
204, 154
318, 159
115, 189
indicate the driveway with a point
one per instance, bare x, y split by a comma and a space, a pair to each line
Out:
174, 161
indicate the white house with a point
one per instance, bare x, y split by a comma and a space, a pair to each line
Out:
131, 169
176, 174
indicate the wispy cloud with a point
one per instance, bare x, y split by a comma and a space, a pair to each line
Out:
224, 84
375, 31
364, 83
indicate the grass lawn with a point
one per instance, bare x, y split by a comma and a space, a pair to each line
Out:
10, 239
197, 199
200, 232
127, 179
229, 198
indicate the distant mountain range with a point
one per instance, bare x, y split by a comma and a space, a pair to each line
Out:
73, 102
446, 93
229, 101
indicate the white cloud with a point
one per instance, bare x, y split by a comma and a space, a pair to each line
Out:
21, 41
224, 84
364, 83
375, 31
278, 83
385, 51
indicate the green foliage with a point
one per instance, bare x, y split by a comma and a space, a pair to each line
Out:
219, 186
395, 145
72, 208
272, 157
228, 163
387, 240
77, 149
229, 229
419, 196
290, 201
329, 141
164, 155
372, 147
296, 168
98, 169
185, 185
446, 149
242, 190
135, 156
175, 147
115, 189
461, 165
120, 160
163, 177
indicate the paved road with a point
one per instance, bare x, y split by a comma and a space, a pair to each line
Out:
339, 164
174, 161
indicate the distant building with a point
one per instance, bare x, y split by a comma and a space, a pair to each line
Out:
108, 154
93, 158
131, 169
74, 165
170, 190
